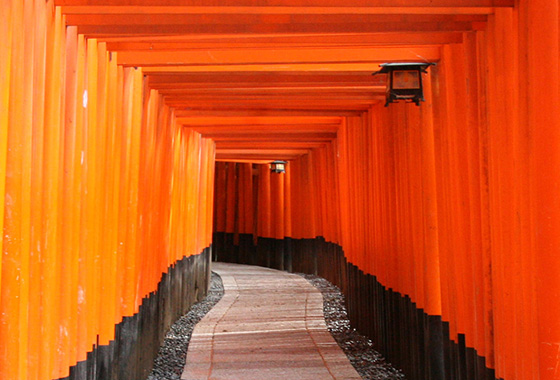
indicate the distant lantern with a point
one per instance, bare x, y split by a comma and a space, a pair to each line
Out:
404, 81
278, 166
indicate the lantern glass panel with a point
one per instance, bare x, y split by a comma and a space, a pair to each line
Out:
406, 79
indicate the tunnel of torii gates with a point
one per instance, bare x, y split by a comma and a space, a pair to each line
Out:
441, 223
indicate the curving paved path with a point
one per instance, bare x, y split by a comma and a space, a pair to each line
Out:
269, 325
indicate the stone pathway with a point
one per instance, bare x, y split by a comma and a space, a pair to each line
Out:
268, 325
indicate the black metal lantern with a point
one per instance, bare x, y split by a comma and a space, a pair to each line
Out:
404, 81
278, 166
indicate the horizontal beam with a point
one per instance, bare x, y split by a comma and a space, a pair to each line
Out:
282, 141
244, 19
304, 96
260, 130
273, 56
281, 28
399, 4
226, 145
272, 10
260, 156
280, 68
332, 105
170, 89
262, 152
264, 80
259, 120
246, 161
220, 112
175, 43
279, 105
280, 128
265, 150
295, 95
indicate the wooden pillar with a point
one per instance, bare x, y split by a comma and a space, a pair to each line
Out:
543, 82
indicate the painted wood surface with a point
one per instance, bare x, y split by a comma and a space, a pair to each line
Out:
110, 127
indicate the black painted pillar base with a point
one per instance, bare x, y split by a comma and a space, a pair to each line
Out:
138, 338
417, 343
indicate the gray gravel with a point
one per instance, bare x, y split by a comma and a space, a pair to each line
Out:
172, 355
369, 363
359, 349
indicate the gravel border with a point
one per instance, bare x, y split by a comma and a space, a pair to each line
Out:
369, 363
171, 360
359, 349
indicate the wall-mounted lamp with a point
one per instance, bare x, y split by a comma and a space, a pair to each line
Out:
404, 81
278, 166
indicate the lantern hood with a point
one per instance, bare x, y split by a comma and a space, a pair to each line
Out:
388, 67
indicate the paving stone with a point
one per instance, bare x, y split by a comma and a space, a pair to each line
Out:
170, 363
268, 325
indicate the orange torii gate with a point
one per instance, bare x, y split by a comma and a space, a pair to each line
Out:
440, 222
